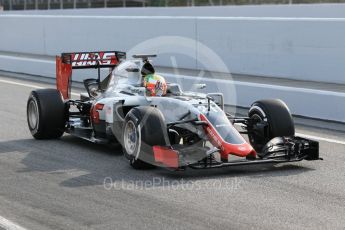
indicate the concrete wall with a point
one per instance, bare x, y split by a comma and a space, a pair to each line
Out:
293, 48
303, 49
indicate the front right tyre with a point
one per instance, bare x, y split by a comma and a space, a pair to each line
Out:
278, 118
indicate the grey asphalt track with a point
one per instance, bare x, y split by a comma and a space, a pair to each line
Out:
59, 184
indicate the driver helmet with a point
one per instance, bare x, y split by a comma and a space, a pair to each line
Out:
155, 85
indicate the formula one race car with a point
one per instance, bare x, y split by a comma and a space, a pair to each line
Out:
156, 123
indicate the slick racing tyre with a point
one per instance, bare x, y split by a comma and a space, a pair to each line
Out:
278, 117
46, 114
143, 128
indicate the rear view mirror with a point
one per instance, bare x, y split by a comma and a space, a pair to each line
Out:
217, 98
199, 86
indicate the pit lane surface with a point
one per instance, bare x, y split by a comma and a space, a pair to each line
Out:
59, 184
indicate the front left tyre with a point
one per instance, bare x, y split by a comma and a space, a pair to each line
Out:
144, 127
46, 115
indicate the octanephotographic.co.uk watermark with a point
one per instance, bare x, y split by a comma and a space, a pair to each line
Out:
229, 184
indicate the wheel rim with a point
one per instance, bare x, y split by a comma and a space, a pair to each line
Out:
256, 117
256, 141
131, 138
33, 116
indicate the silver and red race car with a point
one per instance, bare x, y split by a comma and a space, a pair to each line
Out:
175, 130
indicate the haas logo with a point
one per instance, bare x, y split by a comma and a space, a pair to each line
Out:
93, 59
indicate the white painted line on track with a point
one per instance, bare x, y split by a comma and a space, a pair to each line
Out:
260, 85
76, 94
320, 138
27, 59
9, 225
21, 84
29, 85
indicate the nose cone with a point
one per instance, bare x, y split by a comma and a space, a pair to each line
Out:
241, 150
225, 137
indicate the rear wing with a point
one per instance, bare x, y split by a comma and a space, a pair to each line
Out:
83, 60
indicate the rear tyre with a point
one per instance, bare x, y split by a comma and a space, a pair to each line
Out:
46, 115
144, 127
280, 123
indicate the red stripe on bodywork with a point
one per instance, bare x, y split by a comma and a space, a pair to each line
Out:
95, 114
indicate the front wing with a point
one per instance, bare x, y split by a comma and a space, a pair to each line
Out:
292, 150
